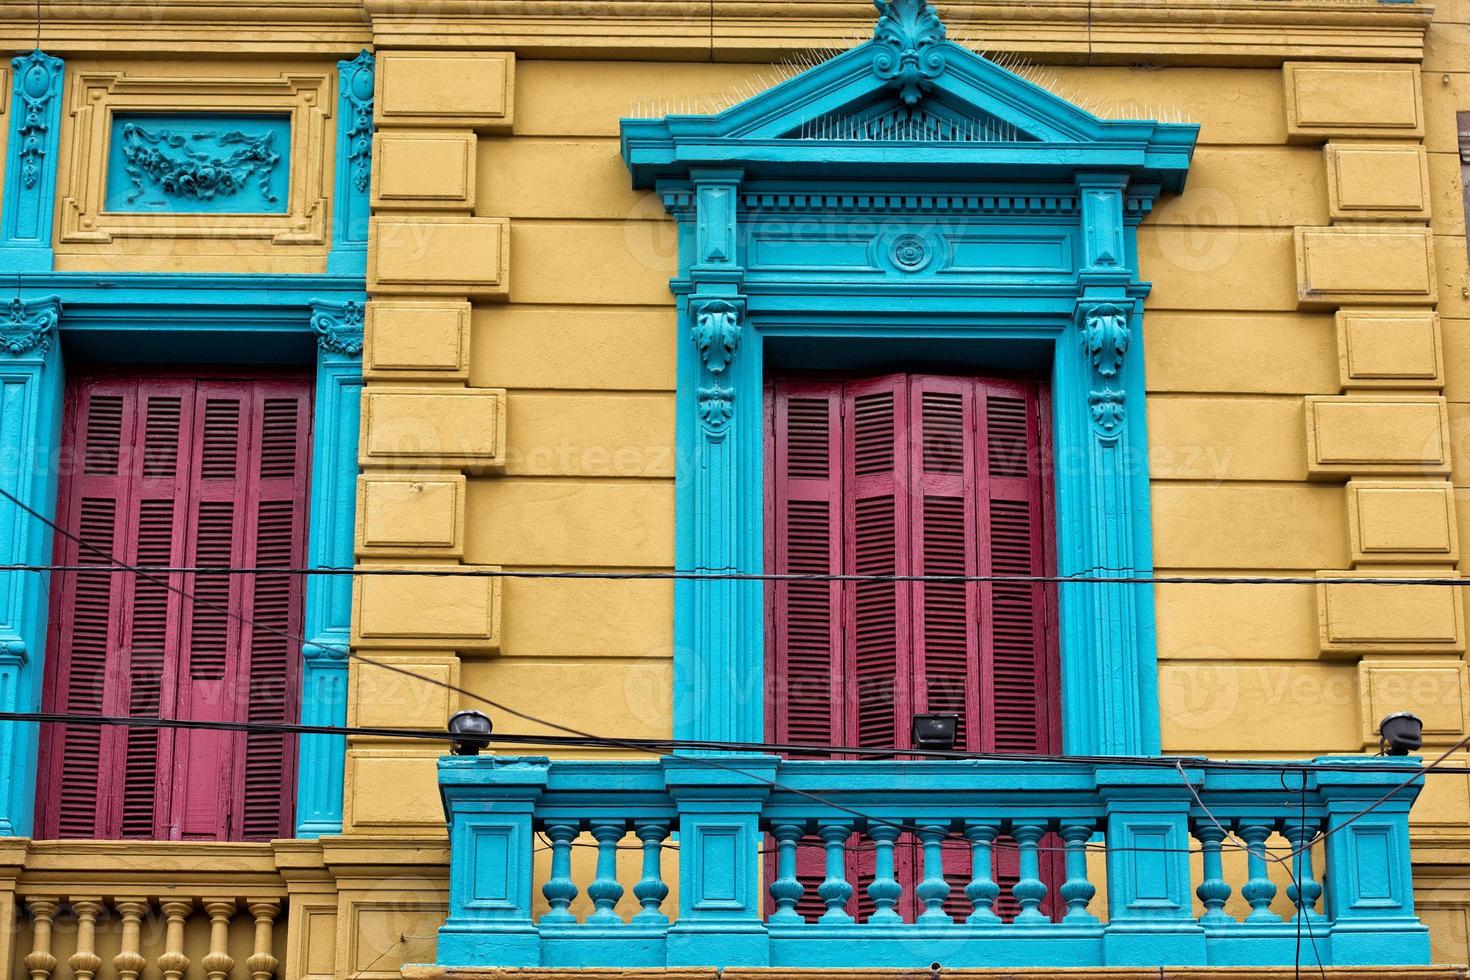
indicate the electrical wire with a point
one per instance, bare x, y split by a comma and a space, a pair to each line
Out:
713, 575
629, 745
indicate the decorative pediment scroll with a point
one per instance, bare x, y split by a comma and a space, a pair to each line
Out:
908, 51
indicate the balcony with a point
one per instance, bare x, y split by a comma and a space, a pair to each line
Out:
1158, 865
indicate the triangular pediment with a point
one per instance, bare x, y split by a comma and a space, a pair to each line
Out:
913, 96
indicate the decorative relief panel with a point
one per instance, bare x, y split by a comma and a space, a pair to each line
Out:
419, 339
1356, 619
411, 514
211, 158
1407, 521
446, 88
457, 611
1325, 100
1378, 181
1389, 349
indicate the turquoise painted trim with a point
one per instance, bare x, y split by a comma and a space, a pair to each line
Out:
329, 598
1139, 816
30, 422
350, 209
30, 167
122, 317
198, 163
1010, 226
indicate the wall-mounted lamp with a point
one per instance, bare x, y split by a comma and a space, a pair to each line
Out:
471, 731
1401, 733
935, 731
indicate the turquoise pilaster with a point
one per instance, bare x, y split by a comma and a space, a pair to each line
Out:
338, 327
350, 206
30, 168
30, 421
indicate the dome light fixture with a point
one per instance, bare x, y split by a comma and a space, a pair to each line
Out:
1400, 733
471, 732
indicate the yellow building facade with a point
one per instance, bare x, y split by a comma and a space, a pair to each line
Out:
1307, 364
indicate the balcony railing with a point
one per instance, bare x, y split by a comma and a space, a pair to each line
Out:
1160, 865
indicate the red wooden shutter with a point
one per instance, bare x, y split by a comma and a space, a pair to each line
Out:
875, 454
171, 472
804, 698
280, 417
1016, 650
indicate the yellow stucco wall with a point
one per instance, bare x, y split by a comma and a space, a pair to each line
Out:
1307, 347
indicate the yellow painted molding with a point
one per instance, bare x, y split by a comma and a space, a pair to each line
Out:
1352, 100
392, 790
1438, 691
1362, 619
439, 254
474, 89
1365, 435
410, 514
417, 340
433, 427
1365, 264
96, 95
137, 867
415, 169
1402, 522
1245, 32
1371, 181
423, 612
330, 28
378, 698
1390, 349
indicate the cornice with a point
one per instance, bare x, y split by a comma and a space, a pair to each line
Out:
339, 28
1245, 32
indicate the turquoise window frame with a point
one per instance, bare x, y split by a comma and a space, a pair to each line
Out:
1032, 162
139, 317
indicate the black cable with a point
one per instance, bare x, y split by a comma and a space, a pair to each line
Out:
698, 575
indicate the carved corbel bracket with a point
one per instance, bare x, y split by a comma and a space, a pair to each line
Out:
26, 327
1107, 332
338, 326
716, 334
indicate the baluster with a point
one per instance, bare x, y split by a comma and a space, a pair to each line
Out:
172, 962
39, 960
982, 891
1077, 891
884, 890
1305, 891
560, 890
262, 964
834, 889
650, 889
1259, 890
605, 890
129, 962
1029, 890
1214, 890
933, 889
85, 962
787, 889
218, 962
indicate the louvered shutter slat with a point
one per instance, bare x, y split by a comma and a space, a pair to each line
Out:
806, 617
875, 422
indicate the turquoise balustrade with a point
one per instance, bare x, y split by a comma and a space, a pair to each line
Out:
1151, 865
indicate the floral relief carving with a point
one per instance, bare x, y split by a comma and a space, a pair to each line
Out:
37, 76
716, 409
26, 327
358, 86
716, 333
1106, 335
909, 51
174, 162
1107, 410
338, 326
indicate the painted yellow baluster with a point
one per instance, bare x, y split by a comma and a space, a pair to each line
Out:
130, 962
172, 962
85, 962
39, 960
218, 962
262, 965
